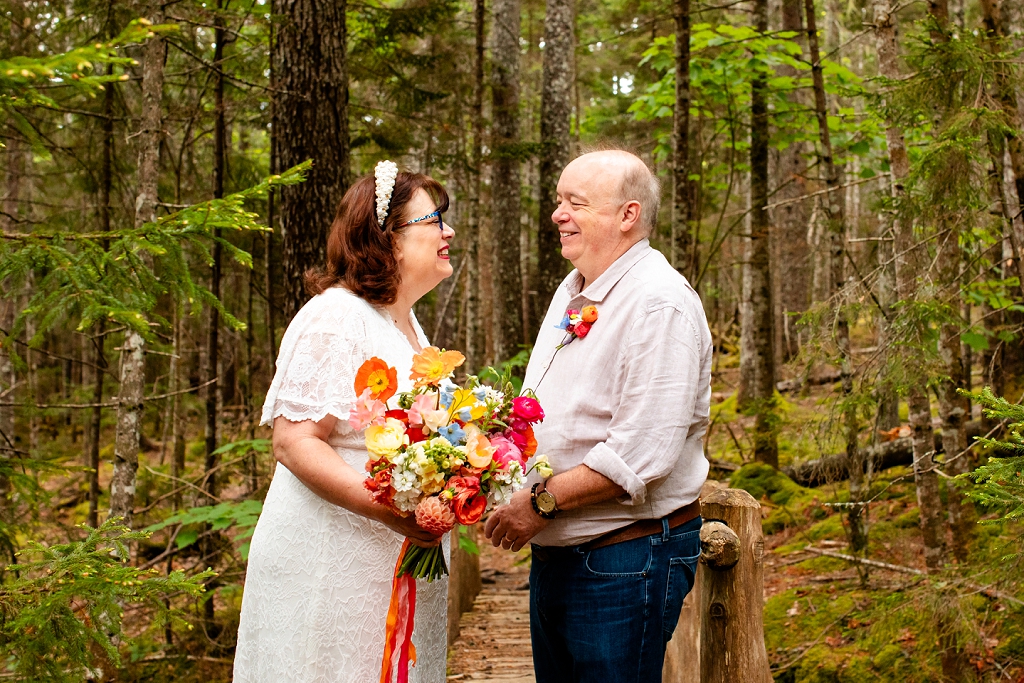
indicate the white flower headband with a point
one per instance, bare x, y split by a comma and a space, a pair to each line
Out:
384, 176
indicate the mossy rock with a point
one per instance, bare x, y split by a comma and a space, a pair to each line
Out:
911, 519
764, 481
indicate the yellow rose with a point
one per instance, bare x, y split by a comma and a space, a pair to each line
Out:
386, 439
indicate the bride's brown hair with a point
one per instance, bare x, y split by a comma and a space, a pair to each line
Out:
361, 251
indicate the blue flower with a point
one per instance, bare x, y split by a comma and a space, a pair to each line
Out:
480, 393
466, 414
453, 433
447, 394
564, 324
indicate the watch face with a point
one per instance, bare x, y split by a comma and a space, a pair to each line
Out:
546, 502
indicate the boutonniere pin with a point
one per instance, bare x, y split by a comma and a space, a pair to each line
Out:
577, 324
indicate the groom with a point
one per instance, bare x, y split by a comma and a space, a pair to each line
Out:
615, 531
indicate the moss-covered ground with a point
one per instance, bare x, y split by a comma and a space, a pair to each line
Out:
825, 621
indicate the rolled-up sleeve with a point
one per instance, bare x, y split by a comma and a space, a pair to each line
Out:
660, 371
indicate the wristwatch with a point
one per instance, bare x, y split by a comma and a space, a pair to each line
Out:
544, 503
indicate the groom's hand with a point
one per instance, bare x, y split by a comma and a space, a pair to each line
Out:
512, 526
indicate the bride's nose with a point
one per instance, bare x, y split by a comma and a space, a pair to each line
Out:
448, 232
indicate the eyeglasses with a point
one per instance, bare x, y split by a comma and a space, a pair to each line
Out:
432, 214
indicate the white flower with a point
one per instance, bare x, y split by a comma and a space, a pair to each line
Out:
384, 176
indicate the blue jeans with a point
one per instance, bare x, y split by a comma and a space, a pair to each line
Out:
605, 615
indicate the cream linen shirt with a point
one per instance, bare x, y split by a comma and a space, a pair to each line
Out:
631, 399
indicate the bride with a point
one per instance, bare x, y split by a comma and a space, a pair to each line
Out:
322, 557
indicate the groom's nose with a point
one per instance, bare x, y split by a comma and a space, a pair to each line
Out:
559, 215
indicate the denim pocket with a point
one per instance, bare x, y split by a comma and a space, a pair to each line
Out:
630, 558
681, 574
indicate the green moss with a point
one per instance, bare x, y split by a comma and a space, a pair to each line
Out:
764, 481
889, 657
909, 520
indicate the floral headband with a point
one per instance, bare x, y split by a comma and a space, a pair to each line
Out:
384, 175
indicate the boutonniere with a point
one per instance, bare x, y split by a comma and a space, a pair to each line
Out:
577, 324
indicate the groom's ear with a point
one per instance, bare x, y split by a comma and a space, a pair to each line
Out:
629, 218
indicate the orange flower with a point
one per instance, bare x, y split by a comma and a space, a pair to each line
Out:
433, 365
588, 314
381, 380
531, 444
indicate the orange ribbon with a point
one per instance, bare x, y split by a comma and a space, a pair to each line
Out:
398, 633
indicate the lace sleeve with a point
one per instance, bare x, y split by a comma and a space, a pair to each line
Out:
320, 354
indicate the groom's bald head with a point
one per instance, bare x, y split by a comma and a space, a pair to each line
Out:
634, 181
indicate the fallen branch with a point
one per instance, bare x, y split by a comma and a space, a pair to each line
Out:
865, 561
987, 591
881, 456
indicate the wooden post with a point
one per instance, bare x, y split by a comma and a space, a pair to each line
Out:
730, 579
463, 582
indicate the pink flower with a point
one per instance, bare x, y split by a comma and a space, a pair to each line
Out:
517, 438
517, 425
505, 452
528, 409
423, 403
366, 411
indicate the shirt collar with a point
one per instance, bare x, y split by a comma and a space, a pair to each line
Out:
597, 290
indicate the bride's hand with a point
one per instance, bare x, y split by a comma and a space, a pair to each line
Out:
408, 527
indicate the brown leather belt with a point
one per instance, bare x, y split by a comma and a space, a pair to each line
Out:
644, 527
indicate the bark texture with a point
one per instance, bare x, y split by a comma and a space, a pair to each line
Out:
907, 259
505, 179
133, 351
835, 219
757, 344
790, 221
312, 120
684, 242
555, 110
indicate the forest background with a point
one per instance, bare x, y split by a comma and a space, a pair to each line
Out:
842, 185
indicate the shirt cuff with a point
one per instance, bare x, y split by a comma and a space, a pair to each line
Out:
607, 462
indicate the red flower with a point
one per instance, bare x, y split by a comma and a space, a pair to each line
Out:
417, 434
581, 330
398, 415
527, 408
467, 502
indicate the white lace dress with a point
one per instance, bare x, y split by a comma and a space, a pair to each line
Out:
318, 582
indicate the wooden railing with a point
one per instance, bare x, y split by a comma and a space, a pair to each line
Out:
720, 635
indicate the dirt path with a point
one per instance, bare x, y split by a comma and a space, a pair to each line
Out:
494, 639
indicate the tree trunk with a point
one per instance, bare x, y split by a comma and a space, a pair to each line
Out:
953, 408
684, 236
475, 344
757, 350
505, 179
836, 221
212, 377
133, 352
15, 171
790, 245
907, 259
559, 39
1006, 94
312, 117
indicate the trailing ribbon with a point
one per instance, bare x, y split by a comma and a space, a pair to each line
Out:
398, 634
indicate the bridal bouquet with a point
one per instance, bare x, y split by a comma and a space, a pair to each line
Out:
444, 453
